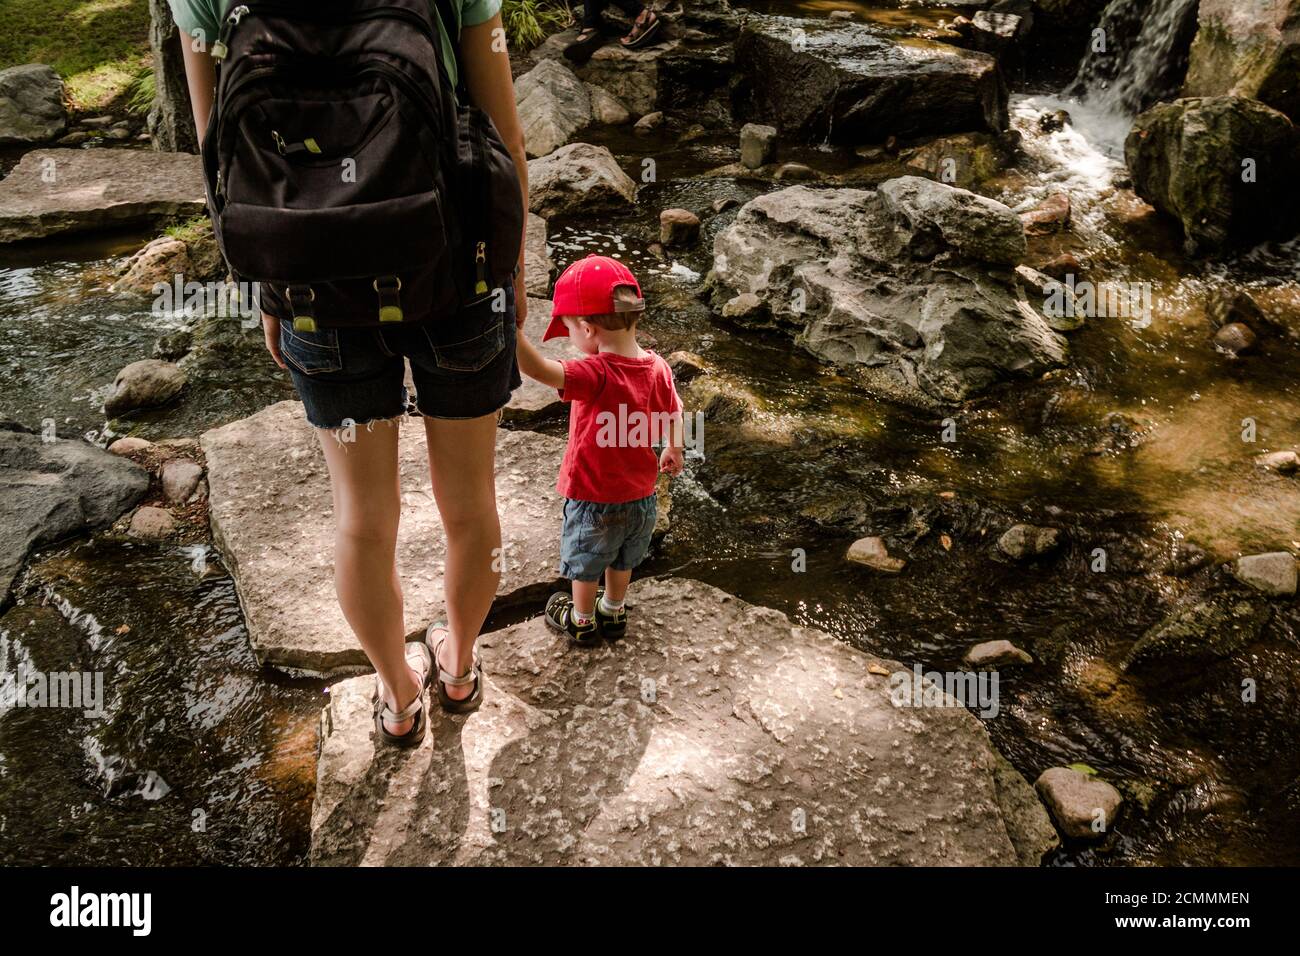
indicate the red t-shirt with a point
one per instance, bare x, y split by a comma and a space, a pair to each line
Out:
619, 408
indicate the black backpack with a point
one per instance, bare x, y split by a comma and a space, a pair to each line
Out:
342, 175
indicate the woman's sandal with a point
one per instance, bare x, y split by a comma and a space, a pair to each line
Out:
421, 662
642, 33
588, 41
444, 680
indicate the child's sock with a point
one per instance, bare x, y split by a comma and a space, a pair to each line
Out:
610, 607
582, 618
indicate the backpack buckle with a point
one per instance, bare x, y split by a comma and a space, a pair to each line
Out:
390, 301
300, 299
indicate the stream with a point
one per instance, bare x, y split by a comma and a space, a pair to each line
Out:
1136, 447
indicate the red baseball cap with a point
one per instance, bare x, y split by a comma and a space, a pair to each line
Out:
596, 285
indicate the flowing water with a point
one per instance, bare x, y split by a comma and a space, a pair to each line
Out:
1135, 448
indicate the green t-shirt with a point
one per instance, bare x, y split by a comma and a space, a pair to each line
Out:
201, 19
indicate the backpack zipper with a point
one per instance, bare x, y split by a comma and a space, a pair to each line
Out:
221, 48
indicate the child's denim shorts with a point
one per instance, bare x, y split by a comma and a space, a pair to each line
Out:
462, 366
599, 536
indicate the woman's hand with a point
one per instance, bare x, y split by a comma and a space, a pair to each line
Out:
271, 328
521, 298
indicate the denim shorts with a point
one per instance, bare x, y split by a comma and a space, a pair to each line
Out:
462, 366
599, 536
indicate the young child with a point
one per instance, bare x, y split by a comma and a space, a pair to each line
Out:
621, 401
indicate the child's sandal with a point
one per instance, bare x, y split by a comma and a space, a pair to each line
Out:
473, 676
559, 617
420, 661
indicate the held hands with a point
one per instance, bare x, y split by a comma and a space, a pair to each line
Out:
671, 460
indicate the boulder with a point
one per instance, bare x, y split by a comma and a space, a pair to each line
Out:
618, 756
678, 227
1083, 807
1223, 166
269, 501
170, 121
996, 33
964, 159
606, 108
1024, 541
643, 80
180, 478
858, 83
31, 104
757, 145
1248, 49
161, 260
532, 401
54, 191
1194, 635
578, 178
872, 553
1273, 573
991, 655
553, 106
538, 264
152, 523
144, 384
51, 490
902, 283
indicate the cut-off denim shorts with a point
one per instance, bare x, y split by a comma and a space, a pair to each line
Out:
462, 367
599, 536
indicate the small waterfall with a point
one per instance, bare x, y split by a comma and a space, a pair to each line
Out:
1145, 57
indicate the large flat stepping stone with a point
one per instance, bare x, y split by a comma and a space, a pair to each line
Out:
272, 520
533, 402
854, 83
75, 190
716, 732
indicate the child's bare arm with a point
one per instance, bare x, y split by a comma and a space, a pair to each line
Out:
537, 366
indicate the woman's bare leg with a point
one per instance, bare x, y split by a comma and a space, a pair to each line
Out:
462, 462
367, 508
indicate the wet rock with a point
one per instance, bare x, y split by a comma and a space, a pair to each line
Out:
538, 264
858, 83
1053, 121
649, 123
152, 523
854, 276
872, 553
795, 171
1062, 266
97, 189
616, 766
144, 384
1248, 50
173, 345
1236, 305
1049, 216
757, 145
991, 655
725, 203
1187, 159
533, 402
130, 447
996, 33
51, 490
1083, 807
1022, 542
685, 366
161, 261
31, 104
1284, 462
180, 479
1273, 573
633, 77
553, 106
266, 473
678, 227
965, 160
607, 108
1194, 635
578, 178
1235, 338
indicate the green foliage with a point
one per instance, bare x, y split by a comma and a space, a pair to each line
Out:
99, 47
529, 22
140, 95
190, 230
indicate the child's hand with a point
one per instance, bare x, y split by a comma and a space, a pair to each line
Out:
671, 460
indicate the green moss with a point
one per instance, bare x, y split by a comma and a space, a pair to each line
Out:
99, 47
528, 22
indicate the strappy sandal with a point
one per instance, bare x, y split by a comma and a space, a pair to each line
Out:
444, 680
420, 661
588, 41
640, 35
559, 617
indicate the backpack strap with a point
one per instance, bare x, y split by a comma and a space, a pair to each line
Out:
451, 24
